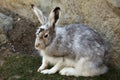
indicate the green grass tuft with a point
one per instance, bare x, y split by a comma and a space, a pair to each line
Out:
24, 67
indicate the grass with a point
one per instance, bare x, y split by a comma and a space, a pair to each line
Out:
24, 67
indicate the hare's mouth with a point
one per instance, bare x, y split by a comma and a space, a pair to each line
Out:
39, 47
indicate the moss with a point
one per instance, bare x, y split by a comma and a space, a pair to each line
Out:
24, 67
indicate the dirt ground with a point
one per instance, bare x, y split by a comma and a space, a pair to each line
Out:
21, 37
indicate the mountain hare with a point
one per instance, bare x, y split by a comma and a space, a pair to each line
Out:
74, 50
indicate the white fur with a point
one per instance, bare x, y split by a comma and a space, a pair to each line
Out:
59, 63
68, 71
44, 64
69, 67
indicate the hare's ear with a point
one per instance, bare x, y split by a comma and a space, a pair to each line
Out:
39, 14
54, 16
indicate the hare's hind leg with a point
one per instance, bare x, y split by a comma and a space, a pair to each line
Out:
84, 67
76, 70
69, 71
88, 67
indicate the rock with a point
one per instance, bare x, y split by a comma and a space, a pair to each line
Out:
3, 39
5, 25
115, 3
23, 8
95, 13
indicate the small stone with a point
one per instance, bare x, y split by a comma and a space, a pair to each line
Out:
18, 19
3, 39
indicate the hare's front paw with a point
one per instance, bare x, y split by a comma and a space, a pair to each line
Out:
41, 68
48, 71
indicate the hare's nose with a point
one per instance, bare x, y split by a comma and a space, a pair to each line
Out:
37, 45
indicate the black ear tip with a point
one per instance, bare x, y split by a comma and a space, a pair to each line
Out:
57, 8
32, 5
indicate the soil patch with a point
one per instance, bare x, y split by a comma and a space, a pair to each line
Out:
22, 36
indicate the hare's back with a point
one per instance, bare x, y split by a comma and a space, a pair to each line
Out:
82, 33
81, 38
84, 39
76, 40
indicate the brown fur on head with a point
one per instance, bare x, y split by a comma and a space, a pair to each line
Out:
46, 32
44, 38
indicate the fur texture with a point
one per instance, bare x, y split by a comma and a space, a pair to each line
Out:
73, 50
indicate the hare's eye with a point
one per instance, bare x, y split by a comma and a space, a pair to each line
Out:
46, 35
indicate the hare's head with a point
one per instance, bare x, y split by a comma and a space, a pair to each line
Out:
46, 32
